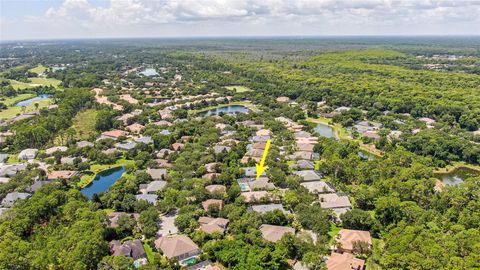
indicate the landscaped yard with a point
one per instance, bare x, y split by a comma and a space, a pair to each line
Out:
238, 88
14, 111
149, 251
34, 82
84, 124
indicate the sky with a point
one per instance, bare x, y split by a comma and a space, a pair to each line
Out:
65, 19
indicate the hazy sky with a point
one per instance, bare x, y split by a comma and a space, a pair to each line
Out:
51, 19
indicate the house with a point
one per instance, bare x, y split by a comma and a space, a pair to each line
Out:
113, 134
338, 202
162, 153
83, 144
54, 175
211, 225
12, 169
163, 163
301, 155
252, 172
217, 149
177, 146
71, 160
283, 99
113, 217
28, 154
216, 189
345, 261
157, 174
206, 204
163, 123
4, 157
126, 146
177, 247
153, 187
308, 175
252, 196
130, 248
305, 147
263, 132
135, 128
303, 165
260, 183
264, 208
165, 132
342, 109
150, 198
346, 239
274, 233
12, 197
52, 150
260, 138
37, 185
316, 187
210, 176
211, 167
144, 139
426, 120
371, 135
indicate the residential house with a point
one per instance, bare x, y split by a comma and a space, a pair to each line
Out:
344, 261
316, 187
254, 196
303, 165
308, 175
144, 139
135, 128
217, 149
113, 217
346, 239
211, 225
83, 144
130, 248
35, 186
263, 132
67, 175
274, 233
177, 247
150, 198
165, 132
113, 134
12, 197
338, 202
52, 150
157, 174
9, 170
252, 172
206, 204
4, 157
177, 146
163, 163
153, 187
283, 99
216, 189
126, 146
28, 154
205, 265
264, 208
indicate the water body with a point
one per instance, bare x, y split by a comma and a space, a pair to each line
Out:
103, 181
325, 131
457, 176
149, 72
31, 100
231, 109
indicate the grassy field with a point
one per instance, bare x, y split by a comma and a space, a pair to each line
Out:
38, 69
84, 124
238, 88
96, 168
14, 111
34, 82
14, 100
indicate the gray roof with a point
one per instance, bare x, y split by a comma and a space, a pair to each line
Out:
3, 157
308, 175
155, 186
12, 197
165, 132
260, 138
303, 164
82, 144
217, 149
334, 200
157, 173
36, 186
263, 208
145, 140
130, 248
28, 153
150, 198
11, 170
318, 187
252, 172
126, 146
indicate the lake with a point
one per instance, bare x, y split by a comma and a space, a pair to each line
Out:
457, 176
325, 131
102, 181
31, 100
231, 109
149, 72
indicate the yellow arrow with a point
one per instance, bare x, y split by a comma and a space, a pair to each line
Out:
261, 167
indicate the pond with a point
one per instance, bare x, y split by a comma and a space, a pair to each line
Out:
231, 109
325, 131
31, 100
457, 176
102, 181
149, 72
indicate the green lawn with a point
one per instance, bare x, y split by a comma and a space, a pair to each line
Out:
38, 69
96, 168
14, 100
238, 88
84, 124
34, 82
14, 111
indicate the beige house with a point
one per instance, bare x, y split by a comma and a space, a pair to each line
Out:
177, 247
274, 233
345, 261
346, 239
